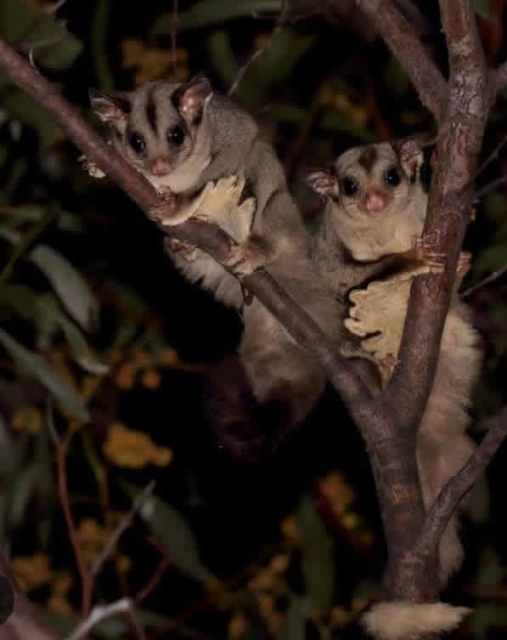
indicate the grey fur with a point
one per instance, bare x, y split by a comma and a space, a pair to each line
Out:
353, 246
223, 140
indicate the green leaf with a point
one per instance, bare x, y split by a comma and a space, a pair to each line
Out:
170, 528
23, 108
295, 627
69, 284
212, 12
82, 352
52, 45
318, 555
35, 366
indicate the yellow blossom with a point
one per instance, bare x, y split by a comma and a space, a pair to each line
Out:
134, 449
151, 379
125, 376
28, 419
351, 521
238, 626
32, 571
279, 563
334, 487
339, 617
123, 564
290, 530
92, 539
151, 63
59, 605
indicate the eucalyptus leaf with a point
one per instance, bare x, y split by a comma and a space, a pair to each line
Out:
170, 528
69, 285
23, 108
35, 366
212, 12
318, 555
81, 350
295, 626
28, 25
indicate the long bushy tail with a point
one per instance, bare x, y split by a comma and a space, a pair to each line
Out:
443, 446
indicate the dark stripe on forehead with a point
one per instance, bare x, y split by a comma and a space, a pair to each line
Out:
368, 158
151, 110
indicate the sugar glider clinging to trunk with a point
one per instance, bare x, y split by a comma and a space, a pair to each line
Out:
372, 224
183, 138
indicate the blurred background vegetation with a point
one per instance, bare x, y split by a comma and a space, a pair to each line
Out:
104, 347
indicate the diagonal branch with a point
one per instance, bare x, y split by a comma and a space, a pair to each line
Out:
404, 43
205, 236
451, 495
450, 202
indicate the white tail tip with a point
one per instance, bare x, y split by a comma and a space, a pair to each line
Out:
401, 620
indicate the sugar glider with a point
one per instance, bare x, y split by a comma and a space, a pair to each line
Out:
198, 146
375, 210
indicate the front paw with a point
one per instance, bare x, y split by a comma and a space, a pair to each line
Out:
244, 259
91, 168
164, 212
184, 250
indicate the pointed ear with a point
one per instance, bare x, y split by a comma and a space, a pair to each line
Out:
411, 156
110, 109
191, 98
324, 182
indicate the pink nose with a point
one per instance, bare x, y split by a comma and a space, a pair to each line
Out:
375, 202
160, 167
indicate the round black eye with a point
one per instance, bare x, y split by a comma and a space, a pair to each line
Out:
176, 135
392, 177
136, 141
350, 186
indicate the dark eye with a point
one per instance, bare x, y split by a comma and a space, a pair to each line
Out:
392, 177
136, 141
176, 135
350, 186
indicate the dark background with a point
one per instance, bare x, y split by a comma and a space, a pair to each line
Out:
323, 83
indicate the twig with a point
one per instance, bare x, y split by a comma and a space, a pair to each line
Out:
405, 45
99, 614
280, 23
488, 188
61, 447
451, 495
123, 525
154, 580
488, 280
173, 32
492, 156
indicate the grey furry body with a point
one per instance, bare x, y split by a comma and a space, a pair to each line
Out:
223, 140
443, 445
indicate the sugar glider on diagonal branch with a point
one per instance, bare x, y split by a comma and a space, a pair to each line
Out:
369, 249
189, 141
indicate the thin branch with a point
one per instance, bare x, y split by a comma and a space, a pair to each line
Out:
61, 447
173, 32
405, 45
280, 23
483, 283
454, 491
492, 156
99, 614
205, 236
123, 525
